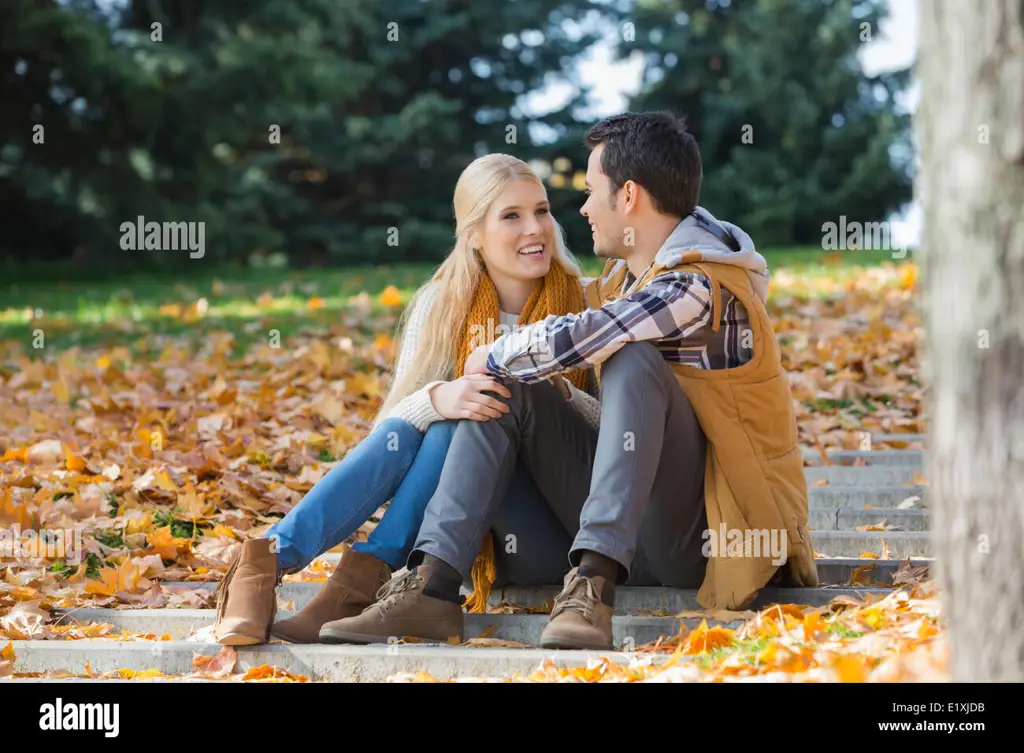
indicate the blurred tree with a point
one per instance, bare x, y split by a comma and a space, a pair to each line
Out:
449, 76
792, 132
330, 131
971, 124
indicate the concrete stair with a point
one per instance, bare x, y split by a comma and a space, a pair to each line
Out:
858, 489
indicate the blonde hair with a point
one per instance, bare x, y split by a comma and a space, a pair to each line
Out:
457, 277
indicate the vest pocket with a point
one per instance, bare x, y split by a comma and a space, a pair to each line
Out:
765, 410
785, 475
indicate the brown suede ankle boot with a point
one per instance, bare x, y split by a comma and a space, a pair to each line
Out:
404, 610
247, 596
350, 589
580, 619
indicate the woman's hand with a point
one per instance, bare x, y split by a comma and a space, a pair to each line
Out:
562, 385
465, 398
477, 361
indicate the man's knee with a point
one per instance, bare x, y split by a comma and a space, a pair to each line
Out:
533, 396
635, 362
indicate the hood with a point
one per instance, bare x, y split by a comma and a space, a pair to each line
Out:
690, 236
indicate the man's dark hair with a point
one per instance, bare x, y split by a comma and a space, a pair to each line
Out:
655, 150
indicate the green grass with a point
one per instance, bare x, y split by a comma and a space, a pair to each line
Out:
249, 303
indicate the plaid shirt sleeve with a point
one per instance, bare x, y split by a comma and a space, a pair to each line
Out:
676, 305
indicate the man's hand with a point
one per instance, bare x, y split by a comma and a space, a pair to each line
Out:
477, 361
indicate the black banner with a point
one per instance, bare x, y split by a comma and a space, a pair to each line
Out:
159, 714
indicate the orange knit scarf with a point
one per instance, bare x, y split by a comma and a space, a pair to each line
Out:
557, 293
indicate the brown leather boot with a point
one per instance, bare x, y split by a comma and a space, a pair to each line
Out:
246, 596
402, 610
350, 589
579, 619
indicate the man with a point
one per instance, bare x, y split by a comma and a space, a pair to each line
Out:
697, 434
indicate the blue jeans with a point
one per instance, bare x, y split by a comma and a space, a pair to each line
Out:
395, 462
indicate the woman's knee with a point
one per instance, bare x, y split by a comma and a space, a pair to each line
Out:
398, 434
439, 433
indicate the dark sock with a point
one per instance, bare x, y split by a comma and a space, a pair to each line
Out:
594, 564
444, 582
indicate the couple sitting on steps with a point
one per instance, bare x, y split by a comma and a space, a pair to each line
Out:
600, 442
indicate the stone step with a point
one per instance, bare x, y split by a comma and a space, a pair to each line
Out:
843, 519
319, 662
841, 570
181, 624
856, 497
897, 437
864, 476
902, 544
868, 458
833, 574
630, 602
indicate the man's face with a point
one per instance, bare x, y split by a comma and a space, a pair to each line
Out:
605, 213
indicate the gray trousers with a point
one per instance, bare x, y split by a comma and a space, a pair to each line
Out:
633, 491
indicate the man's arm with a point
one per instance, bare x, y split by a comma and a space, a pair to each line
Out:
676, 304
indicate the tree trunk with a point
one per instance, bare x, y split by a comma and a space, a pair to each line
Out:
971, 128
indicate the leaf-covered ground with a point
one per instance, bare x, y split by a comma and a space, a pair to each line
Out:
156, 427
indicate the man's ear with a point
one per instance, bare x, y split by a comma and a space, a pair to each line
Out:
630, 195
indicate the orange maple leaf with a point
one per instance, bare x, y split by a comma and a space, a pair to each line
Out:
162, 542
704, 639
125, 577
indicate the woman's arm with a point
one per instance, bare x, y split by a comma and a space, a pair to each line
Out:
416, 409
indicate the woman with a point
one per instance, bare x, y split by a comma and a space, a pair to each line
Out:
509, 266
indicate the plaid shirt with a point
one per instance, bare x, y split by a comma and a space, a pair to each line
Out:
673, 311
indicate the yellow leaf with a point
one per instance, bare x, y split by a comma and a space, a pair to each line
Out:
135, 674
390, 296
850, 668
161, 541
125, 577
139, 525
704, 639
782, 658
61, 391
909, 277
13, 512
873, 617
13, 454
73, 461
191, 503
812, 624
266, 672
225, 532
7, 659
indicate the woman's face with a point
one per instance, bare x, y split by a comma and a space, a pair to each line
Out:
517, 240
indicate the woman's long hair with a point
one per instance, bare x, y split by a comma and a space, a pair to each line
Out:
458, 276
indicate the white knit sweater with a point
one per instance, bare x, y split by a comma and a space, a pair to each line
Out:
418, 410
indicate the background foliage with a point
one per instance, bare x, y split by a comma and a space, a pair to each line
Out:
381, 105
